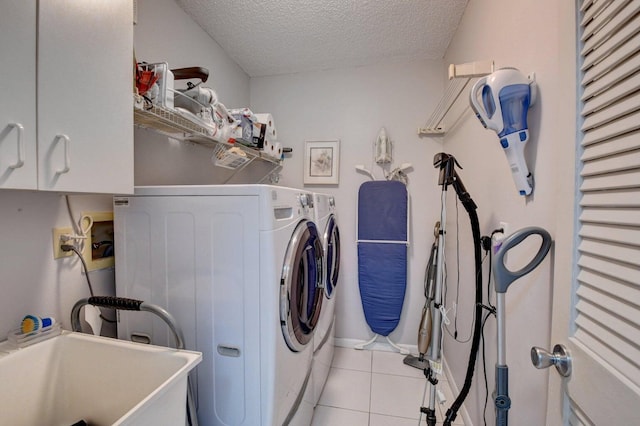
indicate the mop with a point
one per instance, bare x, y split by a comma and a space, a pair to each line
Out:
382, 255
424, 330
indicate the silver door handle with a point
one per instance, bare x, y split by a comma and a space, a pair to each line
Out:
560, 358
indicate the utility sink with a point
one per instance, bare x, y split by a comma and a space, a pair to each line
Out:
102, 381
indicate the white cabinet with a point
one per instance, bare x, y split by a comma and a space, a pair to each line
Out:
18, 161
83, 74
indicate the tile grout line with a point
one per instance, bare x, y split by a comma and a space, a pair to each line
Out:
370, 387
341, 408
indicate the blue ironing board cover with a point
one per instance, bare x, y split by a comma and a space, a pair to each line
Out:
382, 252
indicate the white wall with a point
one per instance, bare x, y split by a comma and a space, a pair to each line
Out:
352, 105
525, 35
31, 281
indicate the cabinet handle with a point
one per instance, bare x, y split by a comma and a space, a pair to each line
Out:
20, 162
67, 160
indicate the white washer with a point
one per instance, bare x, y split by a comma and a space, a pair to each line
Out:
324, 338
240, 267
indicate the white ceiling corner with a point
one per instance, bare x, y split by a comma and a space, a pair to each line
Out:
269, 37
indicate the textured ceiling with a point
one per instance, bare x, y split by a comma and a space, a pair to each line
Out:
268, 37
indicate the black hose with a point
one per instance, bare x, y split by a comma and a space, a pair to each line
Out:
448, 176
470, 206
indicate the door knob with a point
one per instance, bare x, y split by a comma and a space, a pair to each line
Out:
560, 358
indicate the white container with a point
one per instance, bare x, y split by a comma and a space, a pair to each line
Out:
102, 381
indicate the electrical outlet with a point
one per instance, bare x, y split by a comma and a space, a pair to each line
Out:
57, 241
505, 228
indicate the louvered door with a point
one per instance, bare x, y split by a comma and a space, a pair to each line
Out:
604, 310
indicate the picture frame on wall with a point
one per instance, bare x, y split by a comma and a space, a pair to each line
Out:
322, 162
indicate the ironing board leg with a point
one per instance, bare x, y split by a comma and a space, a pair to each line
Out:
403, 351
361, 346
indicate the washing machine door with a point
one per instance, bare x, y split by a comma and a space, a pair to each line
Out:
300, 286
331, 249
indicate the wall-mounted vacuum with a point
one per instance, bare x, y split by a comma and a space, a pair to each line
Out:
502, 107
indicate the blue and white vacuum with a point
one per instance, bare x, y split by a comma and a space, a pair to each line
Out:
502, 107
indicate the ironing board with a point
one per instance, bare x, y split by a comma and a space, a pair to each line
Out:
382, 255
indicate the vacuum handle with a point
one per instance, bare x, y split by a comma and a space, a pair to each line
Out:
503, 276
476, 105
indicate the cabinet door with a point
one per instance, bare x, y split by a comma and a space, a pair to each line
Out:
18, 161
85, 118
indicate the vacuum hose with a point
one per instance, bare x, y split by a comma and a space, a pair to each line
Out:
449, 176
452, 412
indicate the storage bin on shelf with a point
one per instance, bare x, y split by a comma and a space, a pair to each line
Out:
229, 158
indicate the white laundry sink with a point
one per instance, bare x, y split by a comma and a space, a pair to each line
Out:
73, 377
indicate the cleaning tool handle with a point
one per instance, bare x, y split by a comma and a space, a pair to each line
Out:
446, 163
122, 303
119, 303
483, 115
503, 276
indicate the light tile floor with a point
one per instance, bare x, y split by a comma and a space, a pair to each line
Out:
375, 388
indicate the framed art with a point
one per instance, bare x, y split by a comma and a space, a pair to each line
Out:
321, 162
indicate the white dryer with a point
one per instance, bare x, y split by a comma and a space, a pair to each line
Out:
240, 267
324, 338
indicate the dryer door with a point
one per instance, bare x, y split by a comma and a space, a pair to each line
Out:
300, 286
331, 256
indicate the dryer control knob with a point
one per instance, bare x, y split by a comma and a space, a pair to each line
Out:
304, 200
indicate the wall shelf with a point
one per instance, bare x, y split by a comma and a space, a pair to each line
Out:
459, 78
172, 124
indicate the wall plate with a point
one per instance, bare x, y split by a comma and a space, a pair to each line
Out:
57, 251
